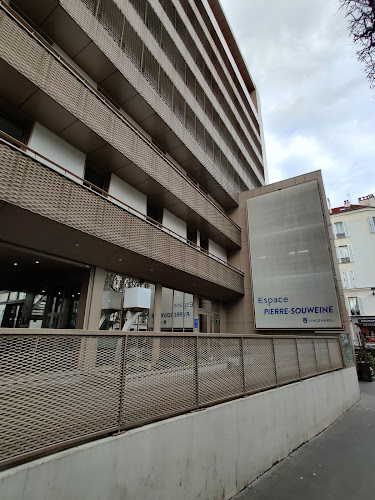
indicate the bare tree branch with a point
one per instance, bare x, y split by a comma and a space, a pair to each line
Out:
361, 25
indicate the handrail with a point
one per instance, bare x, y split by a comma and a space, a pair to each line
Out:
22, 148
100, 96
48, 332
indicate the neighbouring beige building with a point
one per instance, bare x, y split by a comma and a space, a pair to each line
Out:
354, 229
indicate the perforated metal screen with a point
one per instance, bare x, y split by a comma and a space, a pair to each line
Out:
56, 389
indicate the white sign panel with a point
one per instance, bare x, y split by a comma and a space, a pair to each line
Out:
293, 282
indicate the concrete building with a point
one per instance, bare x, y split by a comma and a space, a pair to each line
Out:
130, 128
354, 229
135, 215
131, 140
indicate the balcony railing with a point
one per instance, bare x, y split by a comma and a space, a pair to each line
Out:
59, 388
9, 141
232, 226
42, 187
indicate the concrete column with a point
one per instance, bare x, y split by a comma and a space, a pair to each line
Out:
83, 304
157, 307
94, 307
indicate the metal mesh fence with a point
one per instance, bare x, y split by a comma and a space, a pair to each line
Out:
60, 388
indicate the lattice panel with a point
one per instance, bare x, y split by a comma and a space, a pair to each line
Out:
286, 360
160, 377
37, 188
27, 56
306, 356
259, 364
219, 369
322, 355
335, 354
53, 389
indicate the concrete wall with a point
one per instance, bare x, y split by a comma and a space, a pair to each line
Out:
174, 223
217, 250
129, 195
210, 454
54, 148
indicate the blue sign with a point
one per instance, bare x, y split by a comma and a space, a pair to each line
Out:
195, 322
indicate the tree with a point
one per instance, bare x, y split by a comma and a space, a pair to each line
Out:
361, 16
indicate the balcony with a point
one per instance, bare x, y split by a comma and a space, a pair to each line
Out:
112, 229
46, 88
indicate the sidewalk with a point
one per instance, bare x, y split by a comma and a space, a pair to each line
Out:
338, 464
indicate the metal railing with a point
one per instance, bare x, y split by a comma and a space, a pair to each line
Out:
60, 388
41, 159
138, 131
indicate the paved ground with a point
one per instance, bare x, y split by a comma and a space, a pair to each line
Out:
338, 464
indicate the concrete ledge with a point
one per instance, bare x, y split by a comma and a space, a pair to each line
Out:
211, 454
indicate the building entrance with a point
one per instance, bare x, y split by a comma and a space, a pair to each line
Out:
38, 291
209, 316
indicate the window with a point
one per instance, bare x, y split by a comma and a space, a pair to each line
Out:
371, 223
176, 311
345, 254
127, 304
355, 306
204, 243
191, 234
11, 127
95, 179
348, 279
341, 229
155, 213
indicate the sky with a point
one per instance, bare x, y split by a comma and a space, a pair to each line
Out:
317, 108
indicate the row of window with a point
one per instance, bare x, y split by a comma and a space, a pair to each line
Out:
128, 304
96, 179
341, 229
120, 29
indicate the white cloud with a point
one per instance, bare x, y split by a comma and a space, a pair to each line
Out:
318, 111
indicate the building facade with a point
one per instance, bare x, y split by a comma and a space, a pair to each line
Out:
354, 229
130, 143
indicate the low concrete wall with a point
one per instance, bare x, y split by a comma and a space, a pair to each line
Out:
211, 454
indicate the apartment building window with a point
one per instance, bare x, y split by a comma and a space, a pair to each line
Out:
11, 127
371, 223
355, 306
96, 179
155, 213
204, 243
341, 229
348, 279
345, 254
192, 234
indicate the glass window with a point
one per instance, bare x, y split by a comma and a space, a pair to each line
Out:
344, 252
11, 127
127, 304
176, 311
354, 306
